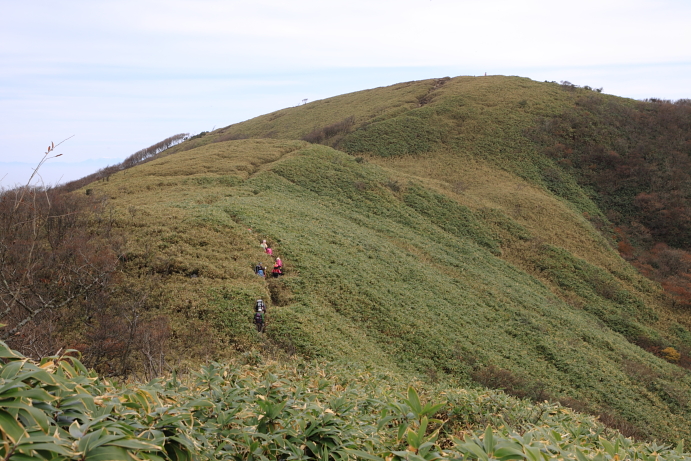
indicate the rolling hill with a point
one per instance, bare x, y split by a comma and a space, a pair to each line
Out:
425, 232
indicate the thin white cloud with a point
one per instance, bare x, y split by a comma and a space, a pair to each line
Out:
123, 75
260, 34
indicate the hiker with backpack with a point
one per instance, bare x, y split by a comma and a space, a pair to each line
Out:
259, 320
276, 272
259, 311
259, 270
279, 262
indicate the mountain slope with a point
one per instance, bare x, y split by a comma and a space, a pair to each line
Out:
407, 279
499, 278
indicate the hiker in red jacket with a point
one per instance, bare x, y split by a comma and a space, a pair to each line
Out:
276, 272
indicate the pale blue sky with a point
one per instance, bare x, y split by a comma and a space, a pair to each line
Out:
122, 75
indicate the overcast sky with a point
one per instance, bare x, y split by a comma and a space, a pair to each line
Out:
122, 75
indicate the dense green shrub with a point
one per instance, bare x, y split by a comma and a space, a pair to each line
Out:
450, 216
56, 409
397, 136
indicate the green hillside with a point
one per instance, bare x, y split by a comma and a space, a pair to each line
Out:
424, 232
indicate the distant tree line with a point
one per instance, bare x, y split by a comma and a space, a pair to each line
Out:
139, 157
565, 84
143, 155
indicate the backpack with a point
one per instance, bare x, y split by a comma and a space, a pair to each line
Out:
260, 304
258, 317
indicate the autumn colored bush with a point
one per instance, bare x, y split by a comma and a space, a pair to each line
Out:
670, 354
637, 157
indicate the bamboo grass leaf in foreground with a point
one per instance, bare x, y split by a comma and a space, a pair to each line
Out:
56, 409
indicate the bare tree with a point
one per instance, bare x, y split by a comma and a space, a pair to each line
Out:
59, 286
55, 249
151, 345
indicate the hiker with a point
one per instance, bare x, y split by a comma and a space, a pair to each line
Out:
258, 268
276, 272
264, 245
269, 251
259, 306
259, 320
279, 262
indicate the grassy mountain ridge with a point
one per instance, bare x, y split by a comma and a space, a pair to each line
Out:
425, 231
397, 271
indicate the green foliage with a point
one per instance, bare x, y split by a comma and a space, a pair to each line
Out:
544, 443
56, 409
456, 219
466, 255
402, 135
618, 308
505, 227
405, 278
226, 180
364, 266
233, 316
